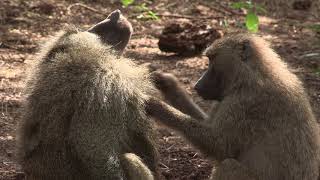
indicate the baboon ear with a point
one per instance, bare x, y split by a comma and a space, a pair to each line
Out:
114, 16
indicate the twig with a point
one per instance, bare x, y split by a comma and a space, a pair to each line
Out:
223, 9
160, 15
170, 147
226, 9
86, 7
195, 155
183, 16
165, 166
3, 45
310, 55
189, 17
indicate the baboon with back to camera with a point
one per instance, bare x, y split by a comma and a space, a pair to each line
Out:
84, 115
263, 127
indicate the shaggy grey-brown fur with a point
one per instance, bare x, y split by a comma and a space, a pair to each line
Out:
263, 127
84, 115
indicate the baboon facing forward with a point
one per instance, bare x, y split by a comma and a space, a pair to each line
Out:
263, 127
84, 114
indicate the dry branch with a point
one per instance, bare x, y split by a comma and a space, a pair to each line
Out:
86, 7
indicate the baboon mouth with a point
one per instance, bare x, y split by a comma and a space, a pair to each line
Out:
207, 96
204, 96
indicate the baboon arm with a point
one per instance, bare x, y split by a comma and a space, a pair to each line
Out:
173, 92
199, 134
28, 137
179, 99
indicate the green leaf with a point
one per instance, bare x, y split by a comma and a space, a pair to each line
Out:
246, 5
252, 22
146, 13
317, 71
152, 15
238, 5
149, 15
141, 8
126, 3
225, 23
249, 5
315, 27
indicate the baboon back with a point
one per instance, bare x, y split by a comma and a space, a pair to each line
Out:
83, 104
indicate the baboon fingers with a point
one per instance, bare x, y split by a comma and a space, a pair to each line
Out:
176, 95
163, 81
165, 113
134, 168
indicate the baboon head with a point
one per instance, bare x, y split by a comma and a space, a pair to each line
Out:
227, 61
115, 30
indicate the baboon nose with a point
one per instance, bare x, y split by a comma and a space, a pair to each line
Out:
117, 11
115, 15
197, 87
200, 91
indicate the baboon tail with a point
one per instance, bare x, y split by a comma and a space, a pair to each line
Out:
134, 168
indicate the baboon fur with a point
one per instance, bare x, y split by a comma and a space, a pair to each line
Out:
84, 114
263, 127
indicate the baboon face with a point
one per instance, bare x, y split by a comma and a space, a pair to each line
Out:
115, 30
209, 84
226, 56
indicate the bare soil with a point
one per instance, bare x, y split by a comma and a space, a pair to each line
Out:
24, 26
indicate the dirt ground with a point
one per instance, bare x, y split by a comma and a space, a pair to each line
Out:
24, 25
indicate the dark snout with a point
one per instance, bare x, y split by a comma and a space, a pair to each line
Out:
209, 86
115, 31
112, 18
102, 26
201, 86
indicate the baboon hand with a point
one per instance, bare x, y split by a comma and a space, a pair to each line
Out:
165, 82
175, 95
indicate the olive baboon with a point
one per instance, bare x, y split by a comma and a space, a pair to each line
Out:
84, 115
263, 127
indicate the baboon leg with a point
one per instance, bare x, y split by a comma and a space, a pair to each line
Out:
145, 148
134, 168
176, 95
207, 139
231, 169
30, 139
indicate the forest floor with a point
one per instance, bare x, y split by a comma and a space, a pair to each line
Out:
24, 25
